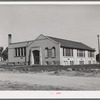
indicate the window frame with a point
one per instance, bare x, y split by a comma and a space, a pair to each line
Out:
81, 62
90, 54
80, 53
67, 52
46, 52
54, 55
18, 52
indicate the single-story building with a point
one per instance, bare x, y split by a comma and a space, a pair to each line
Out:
47, 50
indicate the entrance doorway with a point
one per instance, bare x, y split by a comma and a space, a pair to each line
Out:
36, 56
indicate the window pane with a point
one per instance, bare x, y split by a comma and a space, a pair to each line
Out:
71, 62
18, 51
15, 51
21, 51
69, 52
89, 62
24, 51
90, 54
63, 51
46, 52
80, 53
50, 53
53, 52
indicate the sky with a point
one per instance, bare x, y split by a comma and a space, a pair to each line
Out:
79, 23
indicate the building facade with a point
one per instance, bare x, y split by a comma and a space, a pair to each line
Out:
46, 50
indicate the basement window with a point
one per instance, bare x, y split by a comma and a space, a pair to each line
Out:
89, 62
71, 62
81, 62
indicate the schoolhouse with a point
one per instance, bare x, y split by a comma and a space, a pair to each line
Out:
47, 50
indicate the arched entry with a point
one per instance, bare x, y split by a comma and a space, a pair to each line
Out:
36, 56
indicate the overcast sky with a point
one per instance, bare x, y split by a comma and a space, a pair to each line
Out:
72, 22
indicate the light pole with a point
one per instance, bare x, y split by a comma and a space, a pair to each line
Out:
98, 48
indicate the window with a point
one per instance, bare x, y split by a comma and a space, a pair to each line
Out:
71, 62
20, 51
46, 52
81, 53
53, 52
66, 63
93, 62
89, 62
90, 54
24, 51
67, 52
81, 62
54, 62
64, 51
50, 53
15, 51
47, 63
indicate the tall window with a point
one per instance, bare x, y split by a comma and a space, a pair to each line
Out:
67, 52
46, 52
49, 53
64, 51
81, 53
15, 51
18, 51
24, 51
53, 52
21, 51
90, 54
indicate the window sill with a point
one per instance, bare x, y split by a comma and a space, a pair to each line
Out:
81, 57
53, 57
49, 57
18, 56
46, 57
68, 56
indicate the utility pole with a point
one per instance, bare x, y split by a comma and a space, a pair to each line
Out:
98, 49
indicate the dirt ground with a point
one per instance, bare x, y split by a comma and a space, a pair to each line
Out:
49, 81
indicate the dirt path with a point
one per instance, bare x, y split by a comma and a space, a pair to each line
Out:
75, 82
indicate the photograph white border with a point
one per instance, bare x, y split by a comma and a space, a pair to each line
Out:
50, 94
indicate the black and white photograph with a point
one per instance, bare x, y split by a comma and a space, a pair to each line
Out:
49, 47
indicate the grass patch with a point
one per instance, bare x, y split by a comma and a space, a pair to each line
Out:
94, 68
6, 85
